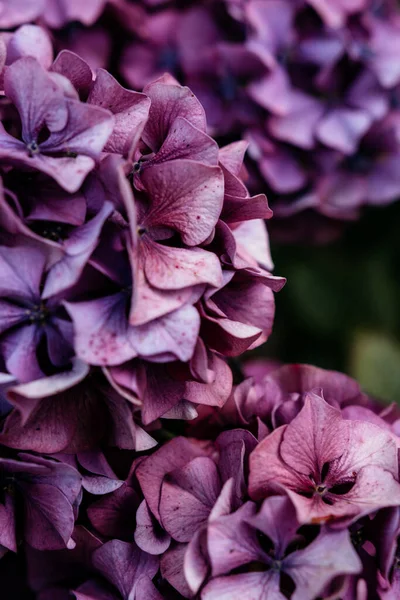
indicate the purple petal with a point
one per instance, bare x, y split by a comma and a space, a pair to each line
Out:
124, 564
130, 108
167, 103
318, 435
61, 12
74, 68
149, 536
170, 268
172, 569
312, 568
174, 186
342, 129
31, 40
187, 497
252, 586
15, 12
152, 470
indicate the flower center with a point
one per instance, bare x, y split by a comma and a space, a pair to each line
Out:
37, 314
51, 231
276, 565
136, 168
33, 148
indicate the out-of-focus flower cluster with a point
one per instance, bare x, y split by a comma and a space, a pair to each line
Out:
292, 491
313, 85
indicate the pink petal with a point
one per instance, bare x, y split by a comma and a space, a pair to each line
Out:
167, 103
171, 268
174, 187
131, 110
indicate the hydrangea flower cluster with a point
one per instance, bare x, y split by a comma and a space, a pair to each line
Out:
129, 245
292, 491
134, 269
311, 84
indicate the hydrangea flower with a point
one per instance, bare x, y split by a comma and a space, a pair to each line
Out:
333, 469
60, 136
141, 232
29, 320
39, 500
276, 560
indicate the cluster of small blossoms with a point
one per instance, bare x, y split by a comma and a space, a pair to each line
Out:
134, 264
313, 85
133, 260
290, 492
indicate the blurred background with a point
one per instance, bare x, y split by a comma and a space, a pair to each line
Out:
340, 308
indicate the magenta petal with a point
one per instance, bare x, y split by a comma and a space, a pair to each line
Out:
172, 569
161, 391
187, 497
101, 331
342, 129
124, 564
173, 336
38, 99
231, 541
149, 536
21, 271
49, 518
130, 108
30, 40
74, 68
184, 140
299, 124
173, 187
252, 586
61, 12
195, 563
90, 590
316, 436
16, 12
88, 130
47, 415
148, 302
316, 565
272, 91
169, 268
19, 348
335, 14
236, 210
232, 156
78, 249
277, 520
253, 243
384, 181
7, 524
152, 470
267, 476
167, 103
112, 515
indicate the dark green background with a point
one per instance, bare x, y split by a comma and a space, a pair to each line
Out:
340, 306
